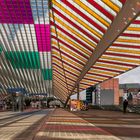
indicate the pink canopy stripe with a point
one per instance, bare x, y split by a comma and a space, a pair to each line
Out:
43, 37
16, 11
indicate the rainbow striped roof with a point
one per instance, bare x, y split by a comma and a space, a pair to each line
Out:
55, 46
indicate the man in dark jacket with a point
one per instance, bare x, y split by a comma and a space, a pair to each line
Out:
125, 104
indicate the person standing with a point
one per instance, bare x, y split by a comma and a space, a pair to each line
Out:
125, 101
125, 104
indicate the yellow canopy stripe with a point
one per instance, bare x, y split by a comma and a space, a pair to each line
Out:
68, 60
128, 40
112, 5
74, 32
111, 66
76, 19
98, 17
121, 59
101, 72
133, 29
71, 42
90, 76
64, 49
124, 51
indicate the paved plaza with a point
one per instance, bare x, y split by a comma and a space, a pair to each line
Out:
60, 124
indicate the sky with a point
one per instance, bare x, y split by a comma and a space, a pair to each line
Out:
132, 76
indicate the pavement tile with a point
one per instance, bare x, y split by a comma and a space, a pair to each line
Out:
62, 124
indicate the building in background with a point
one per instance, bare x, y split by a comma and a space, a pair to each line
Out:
133, 90
106, 93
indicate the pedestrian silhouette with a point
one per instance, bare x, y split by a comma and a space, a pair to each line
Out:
125, 104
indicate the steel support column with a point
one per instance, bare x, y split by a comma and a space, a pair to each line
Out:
78, 91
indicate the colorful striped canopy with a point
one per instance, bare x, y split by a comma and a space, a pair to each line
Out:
56, 46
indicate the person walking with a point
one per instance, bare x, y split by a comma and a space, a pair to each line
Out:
125, 104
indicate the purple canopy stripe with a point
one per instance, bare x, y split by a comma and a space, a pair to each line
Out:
16, 11
43, 37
